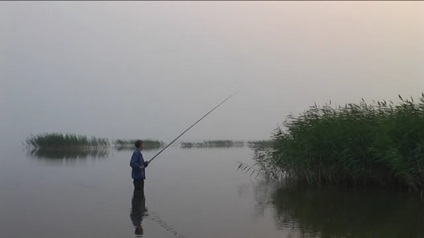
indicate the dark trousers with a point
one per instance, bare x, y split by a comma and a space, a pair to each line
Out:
138, 185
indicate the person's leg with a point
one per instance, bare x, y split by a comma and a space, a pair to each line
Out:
139, 185
136, 185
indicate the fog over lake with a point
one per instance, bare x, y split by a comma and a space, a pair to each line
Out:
150, 69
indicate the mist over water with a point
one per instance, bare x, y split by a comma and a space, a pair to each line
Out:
148, 70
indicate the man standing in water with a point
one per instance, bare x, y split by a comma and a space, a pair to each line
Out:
138, 166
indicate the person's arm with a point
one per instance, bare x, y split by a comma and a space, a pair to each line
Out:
143, 162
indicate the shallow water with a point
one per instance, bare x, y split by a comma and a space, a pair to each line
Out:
188, 193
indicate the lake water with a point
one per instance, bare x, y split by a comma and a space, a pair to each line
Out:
188, 193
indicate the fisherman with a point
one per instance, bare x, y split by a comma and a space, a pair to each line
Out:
138, 166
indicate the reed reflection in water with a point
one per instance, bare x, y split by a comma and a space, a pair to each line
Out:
83, 153
340, 212
132, 148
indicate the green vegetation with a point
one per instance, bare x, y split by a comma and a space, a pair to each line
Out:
212, 143
129, 144
56, 141
71, 146
358, 144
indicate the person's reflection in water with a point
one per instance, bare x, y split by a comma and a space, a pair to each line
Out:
138, 210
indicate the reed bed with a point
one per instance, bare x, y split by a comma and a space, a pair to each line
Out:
260, 143
128, 144
212, 143
381, 143
56, 141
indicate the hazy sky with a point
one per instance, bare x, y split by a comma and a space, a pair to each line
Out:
151, 69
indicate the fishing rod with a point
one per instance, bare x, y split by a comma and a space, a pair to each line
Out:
192, 126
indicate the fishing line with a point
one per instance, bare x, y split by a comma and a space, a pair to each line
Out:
192, 126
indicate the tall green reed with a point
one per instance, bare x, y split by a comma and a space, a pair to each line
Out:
380, 143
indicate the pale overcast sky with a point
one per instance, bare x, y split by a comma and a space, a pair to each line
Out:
151, 69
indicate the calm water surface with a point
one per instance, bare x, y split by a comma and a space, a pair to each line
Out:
188, 193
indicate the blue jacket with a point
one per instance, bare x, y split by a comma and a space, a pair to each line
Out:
137, 165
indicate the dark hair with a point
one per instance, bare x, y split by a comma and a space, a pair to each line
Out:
138, 143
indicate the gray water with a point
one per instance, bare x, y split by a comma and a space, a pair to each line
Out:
188, 193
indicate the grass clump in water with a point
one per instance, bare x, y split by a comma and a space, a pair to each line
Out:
128, 144
361, 144
212, 143
260, 143
54, 141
